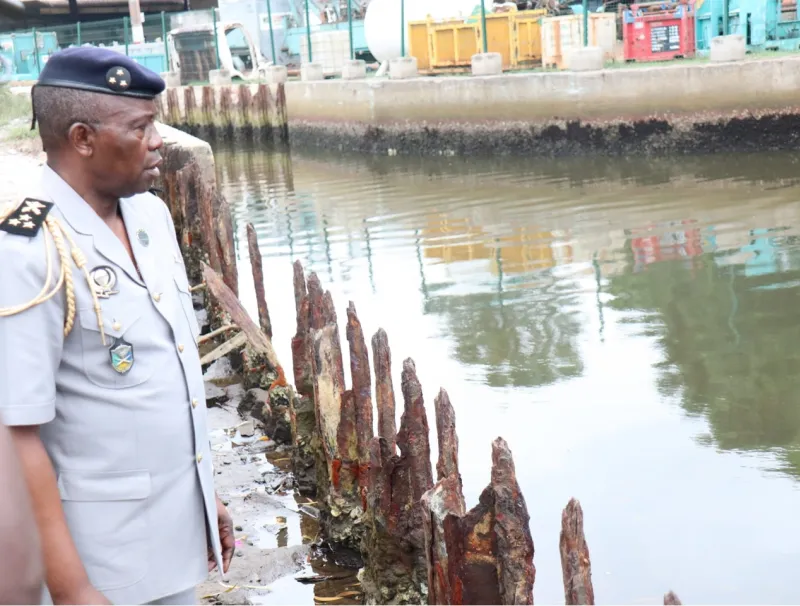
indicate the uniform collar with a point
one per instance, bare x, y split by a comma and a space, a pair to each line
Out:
84, 220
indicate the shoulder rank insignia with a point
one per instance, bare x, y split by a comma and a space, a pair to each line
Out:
27, 219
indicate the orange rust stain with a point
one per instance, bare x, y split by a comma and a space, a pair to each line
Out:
440, 584
458, 592
280, 381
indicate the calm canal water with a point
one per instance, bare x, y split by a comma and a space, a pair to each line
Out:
630, 327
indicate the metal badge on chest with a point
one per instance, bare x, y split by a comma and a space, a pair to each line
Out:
104, 279
121, 353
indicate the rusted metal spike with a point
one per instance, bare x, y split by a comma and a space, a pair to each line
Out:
258, 280
447, 464
384, 391
444, 508
575, 562
362, 389
512, 526
413, 438
670, 599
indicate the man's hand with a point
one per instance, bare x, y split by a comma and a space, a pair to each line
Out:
226, 538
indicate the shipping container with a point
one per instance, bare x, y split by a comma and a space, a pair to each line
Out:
560, 35
419, 44
515, 35
658, 32
453, 43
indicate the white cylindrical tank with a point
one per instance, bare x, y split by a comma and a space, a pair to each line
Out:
382, 27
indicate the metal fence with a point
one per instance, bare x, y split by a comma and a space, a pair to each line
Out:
24, 53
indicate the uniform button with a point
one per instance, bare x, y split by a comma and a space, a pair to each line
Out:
116, 326
180, 347
199, 456
157, 297
194, 402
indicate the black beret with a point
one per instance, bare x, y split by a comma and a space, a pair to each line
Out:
100, 70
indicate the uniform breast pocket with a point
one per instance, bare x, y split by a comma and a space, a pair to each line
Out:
107, 517
185, 297
124, 360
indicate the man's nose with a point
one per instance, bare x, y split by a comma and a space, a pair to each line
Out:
155, 142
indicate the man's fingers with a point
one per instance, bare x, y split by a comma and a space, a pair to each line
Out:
228, 546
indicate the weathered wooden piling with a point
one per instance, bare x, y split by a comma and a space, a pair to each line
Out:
235, 112
576, 564
258, 280
418, 540
201, 215
362, 395
263, 110
303, 414
395, 566
384, 390
483, 556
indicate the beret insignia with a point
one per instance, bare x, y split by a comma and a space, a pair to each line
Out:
118, 79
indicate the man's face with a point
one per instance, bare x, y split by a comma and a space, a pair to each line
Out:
126, 148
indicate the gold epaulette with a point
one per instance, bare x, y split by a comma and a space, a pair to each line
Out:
26, 219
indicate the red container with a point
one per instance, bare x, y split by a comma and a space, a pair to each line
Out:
657, 31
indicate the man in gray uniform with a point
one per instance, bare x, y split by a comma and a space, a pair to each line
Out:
100, 378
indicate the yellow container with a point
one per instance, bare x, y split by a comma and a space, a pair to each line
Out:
419, 43
515, 35
529, 36
562, 34
452, 43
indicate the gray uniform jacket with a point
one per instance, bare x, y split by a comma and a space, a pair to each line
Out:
125, 423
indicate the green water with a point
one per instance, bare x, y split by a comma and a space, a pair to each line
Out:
630, 327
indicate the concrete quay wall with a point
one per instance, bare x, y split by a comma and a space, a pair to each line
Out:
671, 108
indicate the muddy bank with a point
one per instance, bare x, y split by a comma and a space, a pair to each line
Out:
676, 135
275, 560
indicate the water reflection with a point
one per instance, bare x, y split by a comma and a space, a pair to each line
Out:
629, 326
728, 328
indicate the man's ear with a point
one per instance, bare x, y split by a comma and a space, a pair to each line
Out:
82, 138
